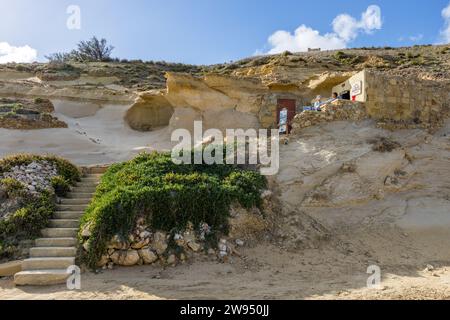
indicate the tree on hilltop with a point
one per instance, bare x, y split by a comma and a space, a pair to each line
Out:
93, 50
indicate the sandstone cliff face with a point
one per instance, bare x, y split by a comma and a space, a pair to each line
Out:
25, 88
213, 92
222, 102
151, 110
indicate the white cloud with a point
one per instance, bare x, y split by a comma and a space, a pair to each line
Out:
10, 53
445, 33
302, 39
346, 29
416, 37
413, 38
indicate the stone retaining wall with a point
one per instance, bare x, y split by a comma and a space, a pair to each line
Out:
408, 100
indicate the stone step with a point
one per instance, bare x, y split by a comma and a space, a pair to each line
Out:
68, 214
64, 223
90, 189
49, 252
75, 201
59, 232
56, 242
79, 195
91, 179
94, 175
41, 277
47, 263
71, 207
87, 184
97, 170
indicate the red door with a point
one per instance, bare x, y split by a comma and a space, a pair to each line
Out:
290, 105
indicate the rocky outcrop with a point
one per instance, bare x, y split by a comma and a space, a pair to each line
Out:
26, 88
221, 102
28, 114
214, 92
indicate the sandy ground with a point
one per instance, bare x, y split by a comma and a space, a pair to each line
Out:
97, 134
265, 272
320, 247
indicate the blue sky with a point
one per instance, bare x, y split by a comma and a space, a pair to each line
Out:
213, 31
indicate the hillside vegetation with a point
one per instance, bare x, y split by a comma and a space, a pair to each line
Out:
29, 185
427, 61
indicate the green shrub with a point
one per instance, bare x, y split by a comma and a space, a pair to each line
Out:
168, 196
340, 55
26, 223
34, 210
61, 186
12, 187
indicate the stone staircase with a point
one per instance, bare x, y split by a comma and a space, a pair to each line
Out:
57, 249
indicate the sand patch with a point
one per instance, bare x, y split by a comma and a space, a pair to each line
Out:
76, 110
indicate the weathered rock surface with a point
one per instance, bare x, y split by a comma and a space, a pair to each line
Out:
150, 111
148, 256
125, 257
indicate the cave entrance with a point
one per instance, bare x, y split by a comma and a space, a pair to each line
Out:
344, 95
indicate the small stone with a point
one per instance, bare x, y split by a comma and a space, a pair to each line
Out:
266, 194
145, 235
177, 237
172, 260
117, 243
148, 256
240, 243
86, 232
194, 246
160, 243
223, 248
103, 263
140, 244
125, 257
86, 246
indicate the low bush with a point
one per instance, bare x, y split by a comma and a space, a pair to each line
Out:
168, 196
29, 212
26, 223
61, 186
12, 187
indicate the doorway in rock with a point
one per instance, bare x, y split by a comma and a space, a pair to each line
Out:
290, 106
346, 95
